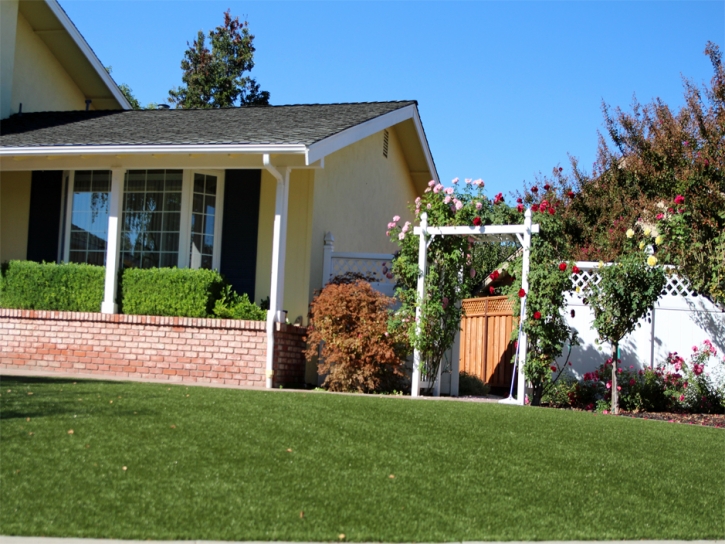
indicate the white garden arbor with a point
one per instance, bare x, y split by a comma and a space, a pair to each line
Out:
510, 233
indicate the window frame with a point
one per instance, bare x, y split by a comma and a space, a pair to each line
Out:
69, 177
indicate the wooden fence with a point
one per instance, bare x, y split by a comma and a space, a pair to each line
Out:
486, 348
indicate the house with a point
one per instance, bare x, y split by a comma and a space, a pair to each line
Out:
250, 191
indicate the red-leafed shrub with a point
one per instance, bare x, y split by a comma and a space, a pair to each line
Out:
349, 331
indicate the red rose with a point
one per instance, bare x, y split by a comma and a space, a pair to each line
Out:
491, 290
522, 293
553, 368
551, 211
570, 194
519, 200
679, 199
537, 315
476, 221
520, 208
534, 189
562, 266
494, 275
561, 169
575, 269
547, 187
535, 208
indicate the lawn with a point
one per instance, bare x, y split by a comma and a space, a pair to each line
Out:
149, 461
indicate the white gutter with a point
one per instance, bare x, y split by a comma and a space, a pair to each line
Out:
241, 149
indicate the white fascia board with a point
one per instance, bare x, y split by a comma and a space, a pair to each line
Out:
354, 134
477, 231
151, 149
88, 52
424, 142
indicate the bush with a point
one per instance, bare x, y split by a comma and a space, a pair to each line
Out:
470, 384
560, 392
66, 287
233, 306
176, 292
349, 321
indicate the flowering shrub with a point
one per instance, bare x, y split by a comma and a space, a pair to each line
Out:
675, 386
349, 331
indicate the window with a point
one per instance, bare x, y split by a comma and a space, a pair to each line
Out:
87, 220
203, 215
151, 219
168, 218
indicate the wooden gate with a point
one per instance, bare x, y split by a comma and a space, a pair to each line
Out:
486, 346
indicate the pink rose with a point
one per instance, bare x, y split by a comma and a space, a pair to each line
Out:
459, 205
438, 188
446, 200
396, 218
401, 236
431, 183
449, 190
473, 272
454, 181
479, 205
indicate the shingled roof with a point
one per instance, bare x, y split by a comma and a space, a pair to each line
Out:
295, 124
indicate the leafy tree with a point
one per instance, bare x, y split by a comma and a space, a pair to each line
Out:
627, 291
664, 168
128, 93
215, 78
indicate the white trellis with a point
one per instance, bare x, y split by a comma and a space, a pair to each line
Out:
520, 233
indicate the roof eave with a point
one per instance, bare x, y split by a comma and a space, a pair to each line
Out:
277, 149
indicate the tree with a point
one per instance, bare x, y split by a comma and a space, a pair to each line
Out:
215, 78
626, 292
664, 168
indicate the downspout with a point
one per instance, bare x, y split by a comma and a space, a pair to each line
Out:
278, 248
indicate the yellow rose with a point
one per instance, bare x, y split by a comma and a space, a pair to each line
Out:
641, 245
651, 260
577, 289
630, 233
601, 264
647, 231
658, 240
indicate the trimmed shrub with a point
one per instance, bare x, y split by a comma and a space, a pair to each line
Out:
472, 385
69, 287
175, 292
349, 327
231, 305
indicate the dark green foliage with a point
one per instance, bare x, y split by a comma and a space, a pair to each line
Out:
470, 384
67, 287
231, 305
225, 464
179, 292
215, 78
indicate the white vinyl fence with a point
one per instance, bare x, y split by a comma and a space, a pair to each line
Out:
376, 265
679, 321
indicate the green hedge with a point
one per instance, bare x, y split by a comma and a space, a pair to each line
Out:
180, 292
67, 287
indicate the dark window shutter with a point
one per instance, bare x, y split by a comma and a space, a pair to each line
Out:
239, 229
44, 223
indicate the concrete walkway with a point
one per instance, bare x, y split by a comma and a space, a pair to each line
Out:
52, 540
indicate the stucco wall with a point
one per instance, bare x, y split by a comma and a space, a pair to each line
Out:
356, 195
299, 232
8, 25
14, 214
39, 80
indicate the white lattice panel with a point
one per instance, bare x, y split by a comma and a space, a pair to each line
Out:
675, 286
378, 268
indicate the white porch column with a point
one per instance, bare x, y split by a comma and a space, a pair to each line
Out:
109, 305
523, 340
422, 265
279, 248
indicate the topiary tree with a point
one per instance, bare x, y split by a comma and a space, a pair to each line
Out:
626, 292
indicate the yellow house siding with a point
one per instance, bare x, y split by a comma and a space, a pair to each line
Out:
14, 214
356, 195
40, 83
8, 27
299, 234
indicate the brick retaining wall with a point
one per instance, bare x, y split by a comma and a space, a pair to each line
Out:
178, 349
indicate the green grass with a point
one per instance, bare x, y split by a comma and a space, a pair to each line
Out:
214, 464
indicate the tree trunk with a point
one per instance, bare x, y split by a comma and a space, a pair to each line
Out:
615, 393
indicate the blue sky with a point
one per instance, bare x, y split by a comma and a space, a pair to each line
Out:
505, 89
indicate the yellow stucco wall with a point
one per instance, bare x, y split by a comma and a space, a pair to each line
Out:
39, 80
356, 195
14, 214
299, 232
